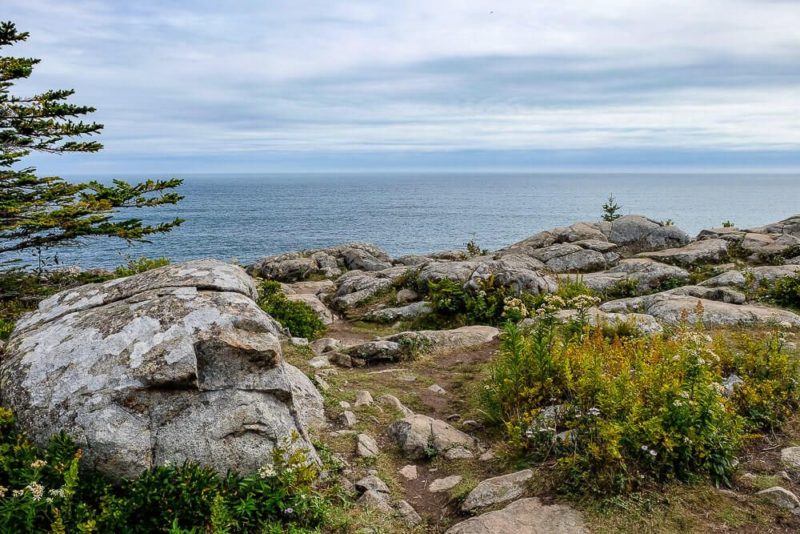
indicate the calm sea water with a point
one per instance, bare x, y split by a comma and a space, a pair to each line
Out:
244, 217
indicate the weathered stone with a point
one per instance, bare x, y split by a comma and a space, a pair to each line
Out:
356, 287
407, 514
497, 490
781, 497
380, 350
363, 398
294, 266
409, 472
457, 271
371, 483
419, 435
525, 516
444, 484
670, 308
362, 260
634, 233
173, 364
513, 271
459, 453
648, 274
570, 234
695, 253
376, 500
318, 362
407, 312
348, 419
572, 258
458, 338
790, 456
436, 388
730, 383
325, 344
759, 275
722, 294
646, 324
404, 296
366, 446
394, 402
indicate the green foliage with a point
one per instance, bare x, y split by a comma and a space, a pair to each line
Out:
728, 224
784, 291
619, 411
621, 289
44, 491
473, 249
140, 265
569, 287
611, 209
490, 303
297, 317
39, 212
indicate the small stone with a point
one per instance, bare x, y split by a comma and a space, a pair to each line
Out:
444, 484
366, 446
409, 472
781, 497
348, 418
497, 490
487, 456
407, 514
470, 424
436, 388
394, 402
321, 383
458, 453
372, 482
363, 398
325, 344
730, 383
344, 405
376, 500
790, 456
784, 475
318, 362
453, 417
299, 341
404, 296
339, 358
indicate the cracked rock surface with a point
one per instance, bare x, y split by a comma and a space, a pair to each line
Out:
174, 364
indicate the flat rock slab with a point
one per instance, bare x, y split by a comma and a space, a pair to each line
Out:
525, 516
419, 435
497, 490
443, 484
174, 364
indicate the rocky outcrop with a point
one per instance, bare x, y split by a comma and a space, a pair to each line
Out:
670, 307
455, 271
635, 233
768, 242
513, 271
646, 324
327, 262
409, 311
646, 273
419, 436
356, 287
174, 364
525, 516
695, 253
759, 275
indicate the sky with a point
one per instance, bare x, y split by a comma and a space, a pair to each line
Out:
307, 85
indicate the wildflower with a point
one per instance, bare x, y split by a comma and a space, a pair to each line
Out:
36, 489
786, 325
677, 403
3, 491
56, 492
267, 471
18, 493
594, 412
653, 453
38, 464
684, 394
645, 448
289, 511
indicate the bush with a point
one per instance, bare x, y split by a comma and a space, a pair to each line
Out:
140, 265
44, 491
784, 292
621, 412
297, 317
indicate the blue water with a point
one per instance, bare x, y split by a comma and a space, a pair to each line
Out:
243, 217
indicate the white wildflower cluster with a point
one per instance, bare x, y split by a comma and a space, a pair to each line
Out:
38, 464
267, 471
57, 493
36, 490
593, 411
583, 302
3, 491
550, 305
514, 306
648, 450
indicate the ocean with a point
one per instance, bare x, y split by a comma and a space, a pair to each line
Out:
242, 217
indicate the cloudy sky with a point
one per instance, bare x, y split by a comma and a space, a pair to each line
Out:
276, 85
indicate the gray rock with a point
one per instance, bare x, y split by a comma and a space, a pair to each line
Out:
407, 312
459, 453
376, 500
790, 456
312, 301
525, 516
457, 271
443, 484
646, 324
458, 338
174, 364
409, 472
670, 308
695, 253
722, 294
407, 514
513, 271
404, 296
579, 232
648, 274
325, 344
371, 483
356, 287
781, 497
328, 262
572, 258
376, 351
348, 419
419, 435
634, 233
759, 275
436, 388
394, 402
730, 383
363, 398
362, 260
497, 490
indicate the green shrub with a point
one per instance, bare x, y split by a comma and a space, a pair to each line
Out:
622, 289
44, 491
6, 327
784, 291
633, 410
297, 317
139, 265
569, 287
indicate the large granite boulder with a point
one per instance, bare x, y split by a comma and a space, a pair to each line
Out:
455, 271
775, 240
356, 287
525, 516
418, 435
635, 233
760, 275
695, 253
514, 271
327, 262
174, 364
672, 306
648, 275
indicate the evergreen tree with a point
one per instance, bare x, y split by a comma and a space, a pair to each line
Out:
611, 209
39, 212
